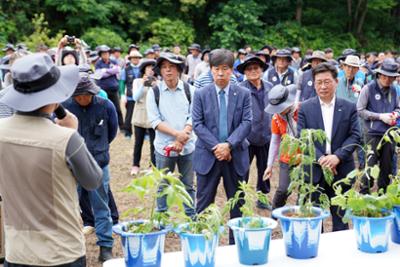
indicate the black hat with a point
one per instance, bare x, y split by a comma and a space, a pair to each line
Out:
103, 48
86, 86
270, 48
195, 47
249, 60
346, 52
9, 47
146, 62
282, 53
204, 52
69, 51
170, 57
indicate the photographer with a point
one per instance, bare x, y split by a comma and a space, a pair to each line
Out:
66, 54
142, 125
44, 164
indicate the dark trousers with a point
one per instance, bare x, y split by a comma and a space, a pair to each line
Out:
281, 194
336, 213
139, 138
130, 105
207, 188
261, 154
113, 96
87, 213
383, 157
81, 262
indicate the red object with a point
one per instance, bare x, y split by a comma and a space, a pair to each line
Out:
167, 150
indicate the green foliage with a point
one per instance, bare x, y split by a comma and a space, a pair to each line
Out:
237, 24
146, 188
41, 34
304, 157
374, 204
168, 32
247, 196
207, 223
98, 36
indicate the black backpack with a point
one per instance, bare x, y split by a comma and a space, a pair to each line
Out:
186, 87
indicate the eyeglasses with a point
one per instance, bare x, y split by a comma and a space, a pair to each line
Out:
324, 82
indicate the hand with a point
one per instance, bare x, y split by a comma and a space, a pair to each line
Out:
222, 151
77, 43
267, 173
70, 121
62, 42
123, 100
182, 136
329, 161
387, 118
177, 146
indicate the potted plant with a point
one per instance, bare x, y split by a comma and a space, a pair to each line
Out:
370, 213
200, 237
252, 233
393, 192
143, 239
301, 225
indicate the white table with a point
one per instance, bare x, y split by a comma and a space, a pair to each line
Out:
335, 250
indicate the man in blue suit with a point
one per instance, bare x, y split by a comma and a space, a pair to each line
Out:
338, 118
221, 119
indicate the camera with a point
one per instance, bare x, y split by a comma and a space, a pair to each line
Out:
70, 39
149, 81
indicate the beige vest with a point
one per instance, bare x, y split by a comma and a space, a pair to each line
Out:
40, 200
140, 112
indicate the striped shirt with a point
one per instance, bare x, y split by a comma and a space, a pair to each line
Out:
207, 78
5, 111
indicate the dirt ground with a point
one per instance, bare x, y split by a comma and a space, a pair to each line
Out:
121, 160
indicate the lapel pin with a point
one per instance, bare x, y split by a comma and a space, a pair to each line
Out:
234, 93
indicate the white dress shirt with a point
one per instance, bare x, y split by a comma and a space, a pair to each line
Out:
327, 116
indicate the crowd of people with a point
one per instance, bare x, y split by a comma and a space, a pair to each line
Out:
207, 114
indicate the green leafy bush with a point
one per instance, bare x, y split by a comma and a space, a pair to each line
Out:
98, 36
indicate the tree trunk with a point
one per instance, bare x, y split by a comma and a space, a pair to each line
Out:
360, 24
350, 16
299, 10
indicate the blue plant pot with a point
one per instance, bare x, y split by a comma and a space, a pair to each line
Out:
197, 250
301, 235
252, 244
372, 233
396, 225
141, 250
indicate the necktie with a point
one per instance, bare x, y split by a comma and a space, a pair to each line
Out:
223, 117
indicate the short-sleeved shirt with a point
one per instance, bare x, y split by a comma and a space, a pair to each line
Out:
278, 127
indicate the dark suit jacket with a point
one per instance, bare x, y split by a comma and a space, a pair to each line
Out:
345, 132
205, 116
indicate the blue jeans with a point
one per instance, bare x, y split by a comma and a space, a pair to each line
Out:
102, 214
185, 169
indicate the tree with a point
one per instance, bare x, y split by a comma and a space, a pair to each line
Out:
237, 24
168, 32
99, 36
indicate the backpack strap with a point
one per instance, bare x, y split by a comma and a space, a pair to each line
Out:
187, 92
186, 87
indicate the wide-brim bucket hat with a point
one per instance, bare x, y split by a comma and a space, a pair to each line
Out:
251, 59
171, 58
317, 55
283, 53
37, 82
146, 62
280, 97
86, 86
389, 68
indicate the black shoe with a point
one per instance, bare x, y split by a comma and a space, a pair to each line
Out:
263, 206
105, 254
